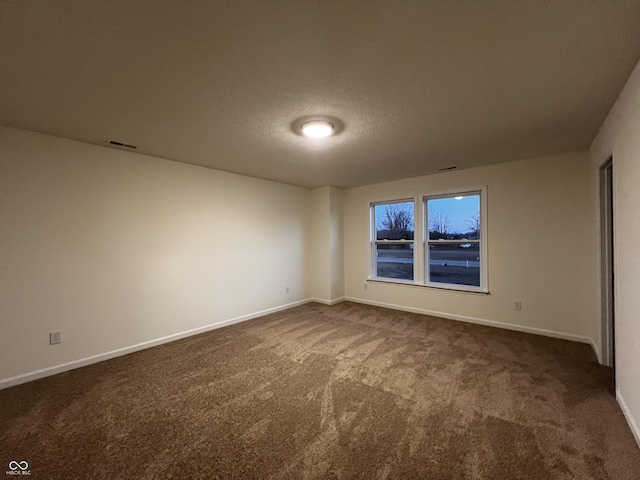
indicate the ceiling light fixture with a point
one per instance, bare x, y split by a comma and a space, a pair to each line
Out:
459, 197
317, 129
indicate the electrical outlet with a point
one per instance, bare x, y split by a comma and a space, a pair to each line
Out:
55, 337
286, 289
366, 286
518, 305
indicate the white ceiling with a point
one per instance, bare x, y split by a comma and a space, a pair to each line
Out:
419, 85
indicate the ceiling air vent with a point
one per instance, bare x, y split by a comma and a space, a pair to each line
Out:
445, 169
120, 144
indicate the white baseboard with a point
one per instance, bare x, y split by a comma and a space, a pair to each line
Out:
327, 302
45, 372
630, 420
478, 321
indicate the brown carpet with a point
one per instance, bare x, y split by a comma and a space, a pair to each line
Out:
341, 392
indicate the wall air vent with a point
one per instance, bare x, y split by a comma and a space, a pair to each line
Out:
120, 144
445, 169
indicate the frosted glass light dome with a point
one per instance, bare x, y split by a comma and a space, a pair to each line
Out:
317, 129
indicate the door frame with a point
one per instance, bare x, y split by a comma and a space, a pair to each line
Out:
607, 263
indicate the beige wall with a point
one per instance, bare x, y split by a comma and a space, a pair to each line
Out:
327, 245
540, 247
320, 253
115, 249
620, 136
336, 243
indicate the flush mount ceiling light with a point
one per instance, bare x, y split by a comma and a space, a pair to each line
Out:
459, 197
317, 126
317, 129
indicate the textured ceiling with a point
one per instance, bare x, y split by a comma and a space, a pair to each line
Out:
419, 85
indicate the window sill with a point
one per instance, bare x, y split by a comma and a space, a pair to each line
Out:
430, 287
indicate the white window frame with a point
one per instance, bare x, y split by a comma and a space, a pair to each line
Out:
373, 241
482, 242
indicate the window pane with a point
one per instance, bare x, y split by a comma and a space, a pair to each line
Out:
455, 217
394, 221
394, 261
456, 263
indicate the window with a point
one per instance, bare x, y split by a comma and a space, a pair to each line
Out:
450, 228
392, 240
452, 249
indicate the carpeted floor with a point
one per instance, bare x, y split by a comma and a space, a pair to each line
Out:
318, 392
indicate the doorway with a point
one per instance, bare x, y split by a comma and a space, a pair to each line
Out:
607, 270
